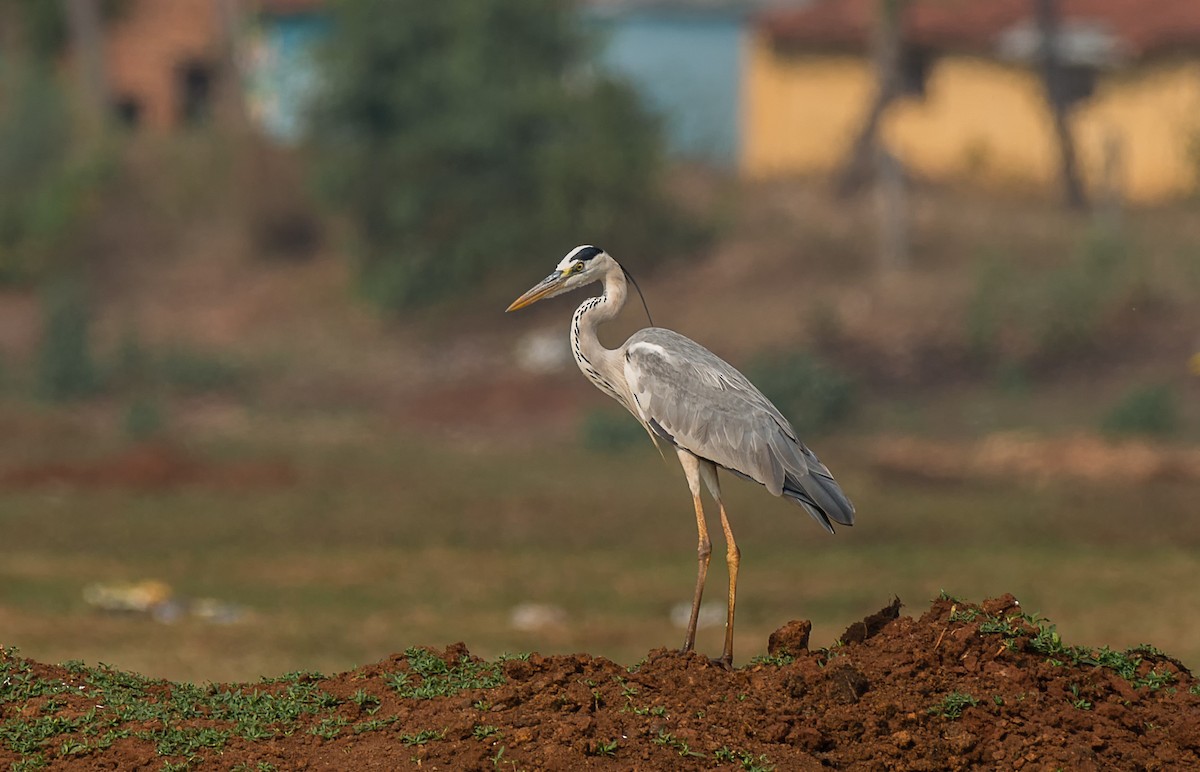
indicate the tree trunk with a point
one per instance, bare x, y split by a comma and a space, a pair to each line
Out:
859, 166
891, 193
1048, 28
87, 42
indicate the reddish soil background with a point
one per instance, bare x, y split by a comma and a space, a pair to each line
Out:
876, 701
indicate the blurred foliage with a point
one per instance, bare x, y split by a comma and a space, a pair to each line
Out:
66, 368
610, 431
43, 23
986, 311
195, 372
47, 176
1144, 410
175, 368
467, 136
1064, 311
1077, 298
144, 418
34, 141
811, 394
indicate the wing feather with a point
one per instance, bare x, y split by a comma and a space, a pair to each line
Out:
703, 404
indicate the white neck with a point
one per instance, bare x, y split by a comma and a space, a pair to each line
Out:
601, 365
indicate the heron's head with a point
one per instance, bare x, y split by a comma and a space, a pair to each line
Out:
582, 266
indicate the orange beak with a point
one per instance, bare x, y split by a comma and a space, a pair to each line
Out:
542, 289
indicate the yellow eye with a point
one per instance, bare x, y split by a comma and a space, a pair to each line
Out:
577, 268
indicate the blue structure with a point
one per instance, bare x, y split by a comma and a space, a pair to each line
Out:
685, 62
687, 65
282, 72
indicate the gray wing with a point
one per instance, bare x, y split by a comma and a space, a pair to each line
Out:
694, 399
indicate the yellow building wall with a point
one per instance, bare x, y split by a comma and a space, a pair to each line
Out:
979, 120
1153, 115
798, 114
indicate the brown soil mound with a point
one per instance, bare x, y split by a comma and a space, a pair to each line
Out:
963, 686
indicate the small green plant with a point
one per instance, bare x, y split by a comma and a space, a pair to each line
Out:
748, 761
997, 626
681, 747
368, 703
1080, 702
952, 705
72, 748
778, 660
438, 679
423, 737
373, 724
967, 614
1147, 410
483, 731
329, 728
602, 749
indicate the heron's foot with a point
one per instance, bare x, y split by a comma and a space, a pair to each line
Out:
725, 662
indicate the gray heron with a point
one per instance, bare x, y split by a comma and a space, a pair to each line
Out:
689, 398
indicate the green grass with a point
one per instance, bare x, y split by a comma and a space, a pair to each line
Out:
1034, 634
184, 723
434, 678
365, 555
952, 705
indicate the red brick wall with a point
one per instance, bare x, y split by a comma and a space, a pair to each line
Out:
148, 46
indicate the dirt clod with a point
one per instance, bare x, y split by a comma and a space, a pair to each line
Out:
861, 631
791, 640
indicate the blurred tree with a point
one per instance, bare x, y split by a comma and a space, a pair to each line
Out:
887, 47
1060, 105
87, 43
66, 369
35, 195
32, 27
464, 136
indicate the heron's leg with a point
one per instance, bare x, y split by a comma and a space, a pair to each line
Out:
691, 470
733, 558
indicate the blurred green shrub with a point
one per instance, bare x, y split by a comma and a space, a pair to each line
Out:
1077, 298
66, 369
46, 177
196, 372
811, 394
1145, 410
1018, 318
34, 138
465, 137
143, 418
987, 311
610, 431
177, 368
